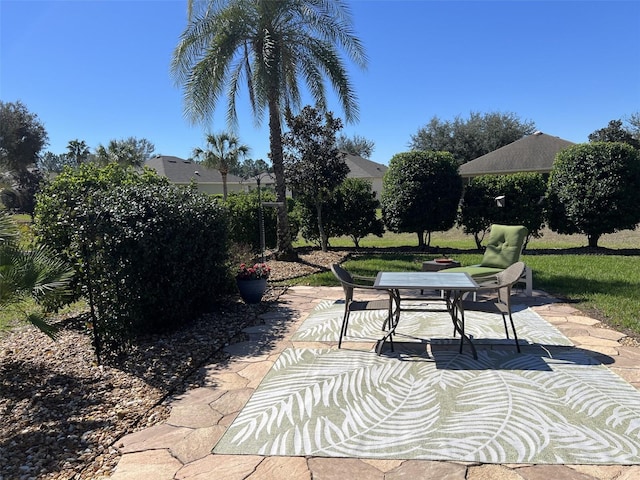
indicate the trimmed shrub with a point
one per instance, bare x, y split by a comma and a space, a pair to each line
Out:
594, 189
57, 203
150, 256
350, 211
421, 193
523, 194
356, 210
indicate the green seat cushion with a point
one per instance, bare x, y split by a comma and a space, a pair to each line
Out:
476, 271
504, 246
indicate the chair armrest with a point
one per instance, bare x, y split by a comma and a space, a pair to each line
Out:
364, 287
360, 277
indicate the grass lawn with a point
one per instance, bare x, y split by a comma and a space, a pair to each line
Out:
604, 284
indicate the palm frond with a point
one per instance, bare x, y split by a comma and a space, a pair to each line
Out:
40, 322
30, 274
263, 41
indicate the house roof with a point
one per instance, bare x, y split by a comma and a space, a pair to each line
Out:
181, 171
533, 153
362, 168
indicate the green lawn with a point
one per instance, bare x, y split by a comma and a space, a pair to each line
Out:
605, 284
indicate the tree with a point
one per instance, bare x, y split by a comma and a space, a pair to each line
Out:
250, 168
55, 163
222, 152
472, 138
615, 132
356, 145
270, 46
421, 192
356, 206
22, 137
78, 152
313, 164
523, 204
594, 189
128, 152
352, 210
27, 184
634, 125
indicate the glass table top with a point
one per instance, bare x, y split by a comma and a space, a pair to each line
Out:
426, 280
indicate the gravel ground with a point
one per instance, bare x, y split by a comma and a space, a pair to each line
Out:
61, 414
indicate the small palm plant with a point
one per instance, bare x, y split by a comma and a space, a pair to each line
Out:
28, 276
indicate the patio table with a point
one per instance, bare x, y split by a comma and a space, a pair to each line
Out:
454, 284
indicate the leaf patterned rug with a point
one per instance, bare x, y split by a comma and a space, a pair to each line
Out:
324, 322
502, 408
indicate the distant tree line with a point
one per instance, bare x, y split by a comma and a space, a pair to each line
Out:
421, 191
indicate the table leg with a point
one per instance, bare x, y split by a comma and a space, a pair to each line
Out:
392, 320
454, 304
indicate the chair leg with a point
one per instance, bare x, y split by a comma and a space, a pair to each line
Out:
504, 322
343, 329
450, 307
461, 329
515, 335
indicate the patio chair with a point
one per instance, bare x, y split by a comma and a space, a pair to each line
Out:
500, 303
504, 247
349, 284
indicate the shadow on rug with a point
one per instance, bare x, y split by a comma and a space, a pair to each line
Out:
324, 322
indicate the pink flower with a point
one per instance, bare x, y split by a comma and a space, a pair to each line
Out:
257, 271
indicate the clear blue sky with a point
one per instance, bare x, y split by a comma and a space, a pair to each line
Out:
99, 70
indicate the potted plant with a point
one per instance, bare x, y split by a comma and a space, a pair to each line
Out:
252, 281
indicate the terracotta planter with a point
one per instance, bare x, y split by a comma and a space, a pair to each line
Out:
251, 290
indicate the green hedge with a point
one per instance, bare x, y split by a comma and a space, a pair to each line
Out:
149, 255
244, 214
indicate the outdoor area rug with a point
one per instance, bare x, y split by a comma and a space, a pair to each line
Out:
502, 408
324, 322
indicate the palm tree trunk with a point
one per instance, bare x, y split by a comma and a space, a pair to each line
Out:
284, 244
224, 185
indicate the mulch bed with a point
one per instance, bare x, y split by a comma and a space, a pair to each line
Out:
61, 414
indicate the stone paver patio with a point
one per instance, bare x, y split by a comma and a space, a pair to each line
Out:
180, 448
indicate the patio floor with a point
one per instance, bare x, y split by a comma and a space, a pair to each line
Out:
180, 448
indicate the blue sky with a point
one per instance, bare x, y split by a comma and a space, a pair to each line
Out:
99, 70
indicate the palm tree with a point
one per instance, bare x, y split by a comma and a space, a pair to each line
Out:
78, 151
269, 45
28, 275
222, 154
